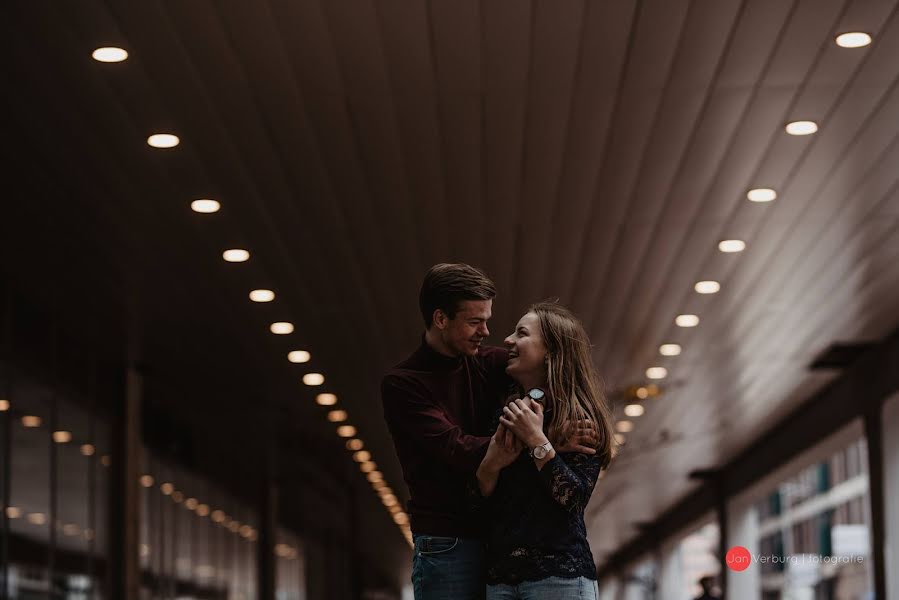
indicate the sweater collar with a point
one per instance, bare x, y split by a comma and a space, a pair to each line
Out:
437, 361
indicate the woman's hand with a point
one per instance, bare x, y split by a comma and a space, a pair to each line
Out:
502, 451
524, 418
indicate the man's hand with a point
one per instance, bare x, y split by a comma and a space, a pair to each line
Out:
502, 451
579, 436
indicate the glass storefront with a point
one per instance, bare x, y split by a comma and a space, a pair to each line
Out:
815, 528
807, 526
196, 540
55, 492
291, 567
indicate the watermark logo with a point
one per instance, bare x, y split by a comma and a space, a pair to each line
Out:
738, 558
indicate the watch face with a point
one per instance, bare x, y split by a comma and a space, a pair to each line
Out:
536, 394
540, 452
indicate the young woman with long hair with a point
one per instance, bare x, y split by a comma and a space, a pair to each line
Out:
537, 541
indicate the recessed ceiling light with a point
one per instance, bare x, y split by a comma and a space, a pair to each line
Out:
731, 246
346, 431
642, 393
802, 127
191, 503
669, 349
634, 410
163, 140
853, 39
281, 328
375, 476
203, 510
657, 372
298, 356
177, 497
337, 416
205, 206
236, 255
62, 437
37, 518
109, 54
87, 449
13, 512
354, 444
31, 421
707, 287
326, 399
218, 516
761, 195
205, 571
362, 456
620, 438
4, 405
389, 500
624, 426
686, 320
105, 460
147, 481
368, 467
166, 489
313, 379
262, 295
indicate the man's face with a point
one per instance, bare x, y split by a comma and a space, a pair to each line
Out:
463, 334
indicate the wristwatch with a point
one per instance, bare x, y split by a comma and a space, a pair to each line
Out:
536, 394
540, 452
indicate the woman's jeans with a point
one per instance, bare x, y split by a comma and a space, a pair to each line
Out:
447, 568
551, 588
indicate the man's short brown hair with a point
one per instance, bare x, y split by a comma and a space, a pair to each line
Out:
447, 284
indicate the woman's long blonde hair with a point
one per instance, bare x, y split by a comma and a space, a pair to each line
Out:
575, 392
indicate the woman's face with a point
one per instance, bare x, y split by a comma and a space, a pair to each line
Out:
527, 352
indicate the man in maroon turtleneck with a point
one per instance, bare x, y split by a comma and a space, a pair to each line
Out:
438, 404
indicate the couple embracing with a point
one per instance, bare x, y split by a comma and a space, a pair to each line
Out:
500, 447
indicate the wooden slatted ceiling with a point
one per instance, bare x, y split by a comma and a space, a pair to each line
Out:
595, 150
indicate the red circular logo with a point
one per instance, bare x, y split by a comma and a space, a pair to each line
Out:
738, 558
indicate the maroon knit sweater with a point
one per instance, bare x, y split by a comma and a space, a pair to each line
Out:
439, 410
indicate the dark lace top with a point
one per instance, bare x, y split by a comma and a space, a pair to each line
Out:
536, 519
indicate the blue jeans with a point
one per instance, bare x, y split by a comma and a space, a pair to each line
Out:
447, 568
551, 588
